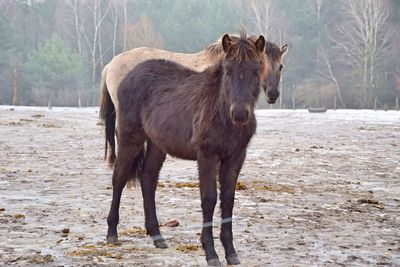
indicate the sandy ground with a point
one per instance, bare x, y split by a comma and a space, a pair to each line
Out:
316, 190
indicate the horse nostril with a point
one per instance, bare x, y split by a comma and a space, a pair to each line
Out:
240, 116
247, 114
272, 96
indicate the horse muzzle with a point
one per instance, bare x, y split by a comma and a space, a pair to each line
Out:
240, 116
272, 96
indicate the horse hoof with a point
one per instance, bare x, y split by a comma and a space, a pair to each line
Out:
112, 239
233, 260
214, 262
161, 243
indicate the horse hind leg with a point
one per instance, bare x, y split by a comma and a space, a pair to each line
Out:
152, 166
126, 158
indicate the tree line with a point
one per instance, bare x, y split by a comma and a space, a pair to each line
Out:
342, 52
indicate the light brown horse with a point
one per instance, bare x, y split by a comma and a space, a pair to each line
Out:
117, 69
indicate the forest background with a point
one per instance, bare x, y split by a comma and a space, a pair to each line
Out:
342, 53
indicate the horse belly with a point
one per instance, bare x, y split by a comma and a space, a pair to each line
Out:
172, 133
179, 152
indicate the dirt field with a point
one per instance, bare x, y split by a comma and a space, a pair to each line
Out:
316, 190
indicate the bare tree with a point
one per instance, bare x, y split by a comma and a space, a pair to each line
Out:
5, 5
92, 35
316, 7
15, 99
100, 39
120, 6
364, 39
325, 71
397, 81
261, 14
143, 33
78, 26
125, 11
117, 4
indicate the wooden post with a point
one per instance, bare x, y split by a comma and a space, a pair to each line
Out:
397, 102
293, 102
293, 98
334, 103
281, 98
281, 81
375, 103
15, 100
79, 99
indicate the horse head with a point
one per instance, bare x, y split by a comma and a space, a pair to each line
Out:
242, 65
274, 61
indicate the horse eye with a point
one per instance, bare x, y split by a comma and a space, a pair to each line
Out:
280, 67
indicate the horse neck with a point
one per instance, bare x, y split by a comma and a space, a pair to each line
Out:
212, 78
215, 96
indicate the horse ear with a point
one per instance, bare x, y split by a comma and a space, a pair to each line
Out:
226, 42
284, 49
260, 43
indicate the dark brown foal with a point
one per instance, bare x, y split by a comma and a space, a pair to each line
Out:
165, 108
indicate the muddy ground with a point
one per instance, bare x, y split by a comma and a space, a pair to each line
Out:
315, 190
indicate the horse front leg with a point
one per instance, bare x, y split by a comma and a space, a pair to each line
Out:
229, 171
208, 169
152, 166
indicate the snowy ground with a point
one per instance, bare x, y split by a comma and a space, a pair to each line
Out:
317, 190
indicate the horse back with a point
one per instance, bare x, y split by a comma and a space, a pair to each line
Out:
161, 98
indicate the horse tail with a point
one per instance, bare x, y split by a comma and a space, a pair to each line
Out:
103, 92
137, 167
107, 115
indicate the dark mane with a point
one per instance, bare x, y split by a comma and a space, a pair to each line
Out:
242, 49
214, 49
273, 51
